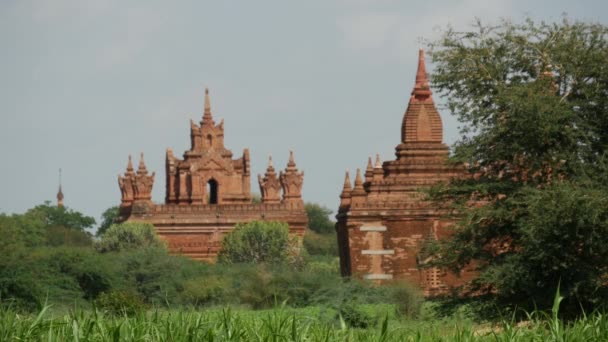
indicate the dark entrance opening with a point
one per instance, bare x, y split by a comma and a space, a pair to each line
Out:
212, 191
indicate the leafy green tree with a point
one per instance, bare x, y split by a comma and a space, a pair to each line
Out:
59, 235
533, 102
127, 236
54, 216
257, 242
318, 219
108, 218
21, 230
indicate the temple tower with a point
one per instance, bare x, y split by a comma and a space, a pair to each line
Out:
384, 219
207, 193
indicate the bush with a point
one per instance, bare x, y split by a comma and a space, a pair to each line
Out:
318, 219
407, 298
211, 289
354, 317
120, 303
128, 235
320, 244
259, 242
59, 235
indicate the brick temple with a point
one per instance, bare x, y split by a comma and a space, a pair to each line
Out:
384, 218
208, 193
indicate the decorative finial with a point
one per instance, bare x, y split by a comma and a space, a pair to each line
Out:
142, 164
378, 162
347, 183
207, 114
369, 164
358, 180
292, 162
270, 162
130, 165
421, 89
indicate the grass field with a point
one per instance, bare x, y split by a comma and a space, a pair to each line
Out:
284, 324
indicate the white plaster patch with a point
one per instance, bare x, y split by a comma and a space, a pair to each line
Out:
378, 276
378, 251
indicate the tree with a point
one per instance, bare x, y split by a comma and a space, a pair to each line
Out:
259, 242
54, 216
533, 101
129, 236
108, 218
318, 219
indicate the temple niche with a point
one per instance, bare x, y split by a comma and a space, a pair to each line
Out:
383, 218
208, 193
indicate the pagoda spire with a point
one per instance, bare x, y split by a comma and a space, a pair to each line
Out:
422, 90
358, 189
369, 170
347, 185
292, 163
421, 121
270, 167
378, 162
207, 118
346, 191
60, 193
142, 165
130, 165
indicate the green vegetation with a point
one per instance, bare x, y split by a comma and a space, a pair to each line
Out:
285, 324
128, 235
532, 218
533, 102
259, 242
108, 218
320, 238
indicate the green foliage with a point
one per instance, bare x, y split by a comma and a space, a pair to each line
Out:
355, 317
128, 235
59, 235
532, 101
108, 218
120, 303
259, 242
408, 299
318, 219
320, 244
53, 216
281, 324
207, 290
21, 230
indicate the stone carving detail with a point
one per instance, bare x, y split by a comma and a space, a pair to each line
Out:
136, 186
291, 182
270, 187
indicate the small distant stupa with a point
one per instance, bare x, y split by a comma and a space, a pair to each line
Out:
60, 193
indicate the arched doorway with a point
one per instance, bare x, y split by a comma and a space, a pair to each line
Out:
212, 191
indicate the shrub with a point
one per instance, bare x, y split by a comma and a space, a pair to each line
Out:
320, 244
354, 317
211, 289
120, 303
407, 298
128, 235
258, 242
59, 235
318, 219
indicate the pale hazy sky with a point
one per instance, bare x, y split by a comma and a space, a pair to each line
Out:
83, 84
